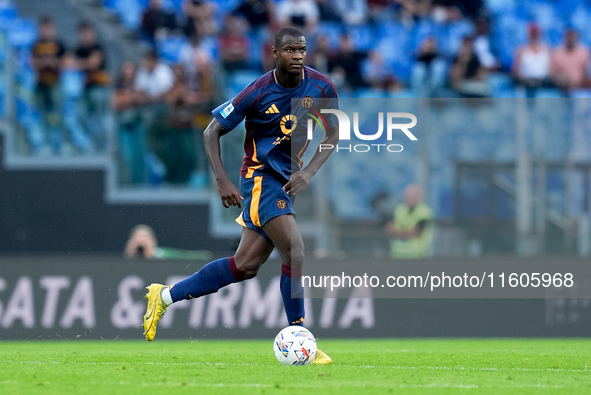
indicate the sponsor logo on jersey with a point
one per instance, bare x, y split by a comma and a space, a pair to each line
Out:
288, 123
272, 110
227, 110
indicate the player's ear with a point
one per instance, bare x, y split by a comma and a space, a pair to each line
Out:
274, 51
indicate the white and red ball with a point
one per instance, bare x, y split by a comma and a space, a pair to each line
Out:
295, 345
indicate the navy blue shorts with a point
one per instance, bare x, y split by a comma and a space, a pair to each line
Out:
264, 199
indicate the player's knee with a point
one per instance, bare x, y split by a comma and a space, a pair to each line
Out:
295, 257
248, 272
248, 269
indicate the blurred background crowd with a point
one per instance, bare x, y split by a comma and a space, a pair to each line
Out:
197, 53
134, 81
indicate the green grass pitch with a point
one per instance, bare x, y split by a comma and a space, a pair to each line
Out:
398, 366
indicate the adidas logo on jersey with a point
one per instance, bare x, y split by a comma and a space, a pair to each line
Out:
272, 110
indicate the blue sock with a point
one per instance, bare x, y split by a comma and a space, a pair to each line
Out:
209, 279
292, 292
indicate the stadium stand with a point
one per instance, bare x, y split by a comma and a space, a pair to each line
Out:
490, 138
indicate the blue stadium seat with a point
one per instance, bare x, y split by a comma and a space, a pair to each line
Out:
31, 121
256, 49
110, 4
177, 5
403, 94
2, 98
22, 33
169, 48
239, 80
130, 12
424, 28
501, 84
6, 22
565, 8
581, 94
368, 93
227, 5
332, 30
362, 36
8, 10
451, 35
549, 93
497, 7
143, 3
509, 33
72, 82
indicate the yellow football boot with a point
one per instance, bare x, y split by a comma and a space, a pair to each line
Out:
155, 311
321, 358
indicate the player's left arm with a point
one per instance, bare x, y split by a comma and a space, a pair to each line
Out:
301, 179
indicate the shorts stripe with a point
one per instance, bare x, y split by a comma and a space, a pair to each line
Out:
256, 197
251, 171
240, 220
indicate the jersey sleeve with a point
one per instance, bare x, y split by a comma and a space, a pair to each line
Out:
333, 102
232, 112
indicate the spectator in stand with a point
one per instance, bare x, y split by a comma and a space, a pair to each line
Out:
153, 80
454, 10
482, 45
190, 55
531, 63
201, 85
94, 105
268, 61
470, 8
200, 18
258, 13
178, 144
328, 11
428, 72
320, 57
46, 59
412, 10
381, 10
468, 77
157, 22
131, 135
303, 14
569, 63
347, 64
353, 12
378, 74
234, 44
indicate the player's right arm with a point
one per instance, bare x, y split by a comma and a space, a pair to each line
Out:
226, 117
211, 138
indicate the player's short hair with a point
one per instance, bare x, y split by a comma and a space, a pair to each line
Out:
287, 31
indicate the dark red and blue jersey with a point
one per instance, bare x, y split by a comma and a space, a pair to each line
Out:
276, 131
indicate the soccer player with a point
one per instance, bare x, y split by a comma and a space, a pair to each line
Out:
271, 176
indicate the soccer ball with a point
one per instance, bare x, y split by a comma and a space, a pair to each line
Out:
295, 345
